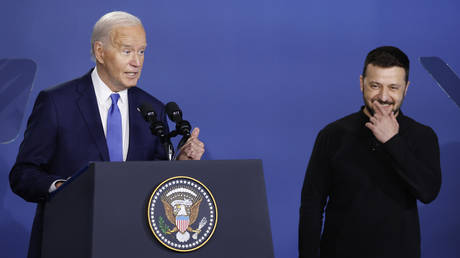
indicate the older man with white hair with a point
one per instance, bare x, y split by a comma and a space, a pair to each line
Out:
91, 118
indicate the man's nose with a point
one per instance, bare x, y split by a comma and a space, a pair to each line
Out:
136, 60
384, 94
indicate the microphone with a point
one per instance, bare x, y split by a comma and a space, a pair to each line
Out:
157, 128
183, 127
174, 112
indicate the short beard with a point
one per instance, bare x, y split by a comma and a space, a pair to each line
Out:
372, 111
369, 109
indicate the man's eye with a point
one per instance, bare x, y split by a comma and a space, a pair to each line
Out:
374, 86
141, 52
126, 52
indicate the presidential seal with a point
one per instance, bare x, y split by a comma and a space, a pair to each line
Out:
182, 213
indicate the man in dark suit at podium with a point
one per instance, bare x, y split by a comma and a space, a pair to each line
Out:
370, 168
91, 118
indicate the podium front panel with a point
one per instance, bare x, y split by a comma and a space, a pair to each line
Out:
121, 191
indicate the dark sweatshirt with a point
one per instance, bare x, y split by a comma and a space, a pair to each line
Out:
371, 190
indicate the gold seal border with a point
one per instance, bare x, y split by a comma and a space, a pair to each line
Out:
150, 202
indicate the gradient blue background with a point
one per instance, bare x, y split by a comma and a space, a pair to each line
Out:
260, 78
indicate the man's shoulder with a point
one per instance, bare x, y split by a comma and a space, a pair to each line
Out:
69, 87
410, 126
347, 124
143, 97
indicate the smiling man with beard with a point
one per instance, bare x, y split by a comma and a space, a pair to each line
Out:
369, 169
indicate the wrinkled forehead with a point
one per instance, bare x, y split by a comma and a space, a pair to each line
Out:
133, 36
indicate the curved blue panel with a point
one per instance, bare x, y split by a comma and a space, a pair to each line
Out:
16, 80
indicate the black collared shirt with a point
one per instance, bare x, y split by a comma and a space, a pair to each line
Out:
370, 190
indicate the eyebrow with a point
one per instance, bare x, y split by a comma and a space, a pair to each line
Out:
393, 84
130, 46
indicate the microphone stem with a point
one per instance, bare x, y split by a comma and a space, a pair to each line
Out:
169, 150
182, 141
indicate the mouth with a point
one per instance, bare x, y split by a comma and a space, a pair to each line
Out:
384, 104
132, 75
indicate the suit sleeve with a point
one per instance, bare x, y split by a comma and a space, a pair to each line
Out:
30, 177
418, 163
313, 200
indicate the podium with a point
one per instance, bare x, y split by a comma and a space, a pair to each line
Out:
102, 212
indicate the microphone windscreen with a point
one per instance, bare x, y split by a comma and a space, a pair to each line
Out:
147, 112
174, 112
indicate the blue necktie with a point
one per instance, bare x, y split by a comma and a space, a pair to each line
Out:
114, 136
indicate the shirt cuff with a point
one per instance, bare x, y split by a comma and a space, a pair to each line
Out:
53, 185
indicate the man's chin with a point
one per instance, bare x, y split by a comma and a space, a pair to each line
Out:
130, 84
387, 110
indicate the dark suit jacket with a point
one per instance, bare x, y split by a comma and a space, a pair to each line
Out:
64, 133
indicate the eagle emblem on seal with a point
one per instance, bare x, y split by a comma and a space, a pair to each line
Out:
182, 206
182, 213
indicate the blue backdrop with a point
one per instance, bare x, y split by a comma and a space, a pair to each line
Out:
260, 78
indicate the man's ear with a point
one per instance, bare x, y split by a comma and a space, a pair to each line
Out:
361, 83
98, 50
407, 87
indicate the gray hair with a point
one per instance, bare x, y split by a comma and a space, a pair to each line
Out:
106, 23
